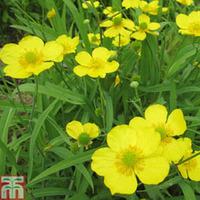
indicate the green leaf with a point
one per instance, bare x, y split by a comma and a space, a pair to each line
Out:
109, 111
5, 123
188, 191
38, 125
180, 60
55, 91
76, 159
50, 191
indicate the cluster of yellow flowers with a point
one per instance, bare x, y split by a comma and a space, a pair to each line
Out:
145, 148
31, 55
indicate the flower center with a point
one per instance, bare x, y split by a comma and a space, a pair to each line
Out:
31, 57
162, 130
94, 39
84, 139
143, 25
129, 159
96, 63
117, 20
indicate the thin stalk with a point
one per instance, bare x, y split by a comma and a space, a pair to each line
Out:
34, 103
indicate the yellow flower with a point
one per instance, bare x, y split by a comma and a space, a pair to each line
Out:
152, 7
51, 13
69, 44
185, 2
30, 56
117, 81
94, 38
97, 64
189, 24
109, 11
118, 26
191, 168
129, 153
121, 40
83, 133
167, 127
131, 3
145, 26
90, 4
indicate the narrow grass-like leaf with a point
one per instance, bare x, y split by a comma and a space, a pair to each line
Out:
38, 125
76, 159
5, 122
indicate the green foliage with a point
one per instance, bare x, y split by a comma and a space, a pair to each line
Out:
34, 112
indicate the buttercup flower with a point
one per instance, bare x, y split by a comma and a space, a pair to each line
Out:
30, 56
118, 26
185, 2
189, 24
152, 7
69, 44
131, 3
117, 81
90, 4
121, 40
130, 154
191, 168
83, 133
94, 38
109, 11
51, 13
97, 64
145, 26
167, 127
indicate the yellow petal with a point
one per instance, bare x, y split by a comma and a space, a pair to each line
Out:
80, 70
74, 129
194, 170
176, 123
31, 43
119, 183
40, 68
115, 31
107, 23
83, 58
16, 71
139, 35
121, 137
102, 160
102, 53
153, 26
129, 24
144, 136
53, 51
139, 123
111, 66
156, 114
11, 53
152, 170
174, 150
144, 19
191, 168
130, 3
182, 21
91, 129
69, 44
183, 170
